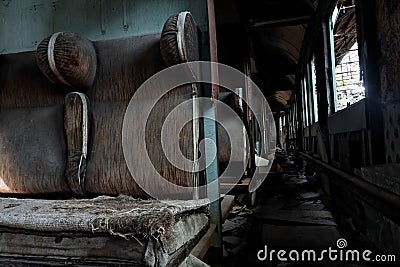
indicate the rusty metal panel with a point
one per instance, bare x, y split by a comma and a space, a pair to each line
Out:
388, 23
391, 114
349, 119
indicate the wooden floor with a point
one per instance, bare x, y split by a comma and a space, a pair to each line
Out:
200, 250
290, 212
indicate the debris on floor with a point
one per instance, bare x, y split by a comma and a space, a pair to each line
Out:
289, 213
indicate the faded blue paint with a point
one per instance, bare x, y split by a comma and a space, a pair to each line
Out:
24, 23
210, 133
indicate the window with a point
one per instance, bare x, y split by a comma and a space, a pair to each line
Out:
349, 80
314, 88
309, 93
305, 102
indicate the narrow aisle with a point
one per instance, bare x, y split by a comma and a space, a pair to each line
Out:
290, 213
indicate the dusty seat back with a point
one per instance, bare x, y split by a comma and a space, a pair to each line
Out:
32, 143
122, 66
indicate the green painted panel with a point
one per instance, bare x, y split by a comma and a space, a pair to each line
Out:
24, 23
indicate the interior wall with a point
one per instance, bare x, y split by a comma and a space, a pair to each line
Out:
381, 230
25, 23
388, 23
354, 207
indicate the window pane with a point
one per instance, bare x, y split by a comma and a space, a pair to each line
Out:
349, 81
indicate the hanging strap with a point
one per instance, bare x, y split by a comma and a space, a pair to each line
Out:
181, 36
77, 148
51, 58
85, 134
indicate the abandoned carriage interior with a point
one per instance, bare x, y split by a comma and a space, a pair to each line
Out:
200, 133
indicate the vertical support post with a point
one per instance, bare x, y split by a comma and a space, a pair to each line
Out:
213, 46
299, 109
195, 136
250, 127
310, 94
331, 72
278, 127
369, 60
287, 127
323, 70
210, 132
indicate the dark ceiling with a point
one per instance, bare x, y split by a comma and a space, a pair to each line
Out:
271, 32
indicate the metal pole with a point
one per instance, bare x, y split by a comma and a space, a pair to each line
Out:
210, 132
388, 198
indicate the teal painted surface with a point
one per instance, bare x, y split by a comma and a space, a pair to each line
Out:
213, 192
210, 133
24, 23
